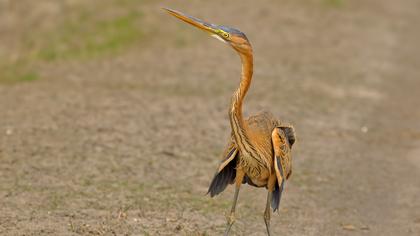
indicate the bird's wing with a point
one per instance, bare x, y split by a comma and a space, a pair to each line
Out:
278, 188
226, 172
231, 155
282, 148
282, 164
289, 131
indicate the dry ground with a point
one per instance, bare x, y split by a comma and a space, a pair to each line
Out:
114, 114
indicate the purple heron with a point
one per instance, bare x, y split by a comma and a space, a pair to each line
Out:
259, 150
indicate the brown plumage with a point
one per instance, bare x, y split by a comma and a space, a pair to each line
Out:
259, 150
260, 129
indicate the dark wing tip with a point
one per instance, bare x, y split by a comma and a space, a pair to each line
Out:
275, 202
223, 177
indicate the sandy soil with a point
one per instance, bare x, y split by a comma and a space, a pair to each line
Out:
126, 142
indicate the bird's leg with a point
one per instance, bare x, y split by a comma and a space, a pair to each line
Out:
267, 213
231, 217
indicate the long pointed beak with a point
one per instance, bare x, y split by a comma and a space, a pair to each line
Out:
211, 28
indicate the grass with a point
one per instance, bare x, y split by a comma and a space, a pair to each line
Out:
30, 76
77, 41
80, 35
17, 73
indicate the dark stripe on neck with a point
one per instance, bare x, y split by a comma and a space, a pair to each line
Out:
242, 139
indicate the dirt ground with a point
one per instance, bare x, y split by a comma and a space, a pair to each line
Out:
114, 116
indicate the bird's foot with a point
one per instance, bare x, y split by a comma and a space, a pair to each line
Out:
230, 220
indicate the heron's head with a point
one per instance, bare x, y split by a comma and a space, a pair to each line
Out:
231, 36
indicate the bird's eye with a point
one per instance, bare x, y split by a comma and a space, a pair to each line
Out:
225, 35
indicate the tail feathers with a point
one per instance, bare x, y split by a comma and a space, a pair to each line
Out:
275, 201
222, 179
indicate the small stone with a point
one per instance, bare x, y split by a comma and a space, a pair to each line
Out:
122, 215
364, 129
9, 131
349, 227
365, 227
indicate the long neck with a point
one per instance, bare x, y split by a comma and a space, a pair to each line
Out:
246, 77
237, 122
